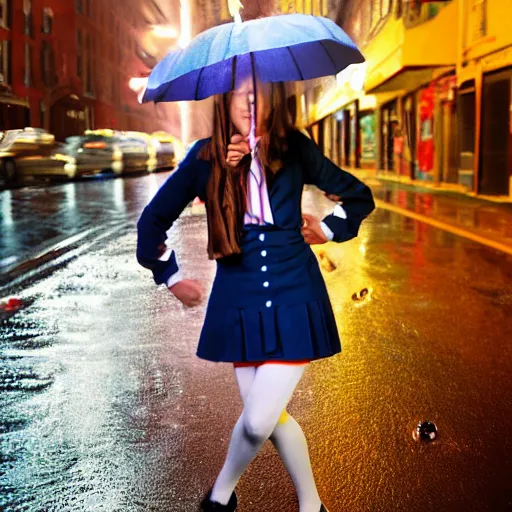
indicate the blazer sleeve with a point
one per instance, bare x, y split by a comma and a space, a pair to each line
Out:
158, 216
356, 198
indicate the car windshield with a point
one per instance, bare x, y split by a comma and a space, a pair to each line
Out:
91, 142
8, 138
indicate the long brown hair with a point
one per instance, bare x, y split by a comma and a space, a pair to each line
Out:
226, 190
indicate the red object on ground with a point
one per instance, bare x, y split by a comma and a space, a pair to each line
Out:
12, 304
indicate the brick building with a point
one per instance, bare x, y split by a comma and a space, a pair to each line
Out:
65, 66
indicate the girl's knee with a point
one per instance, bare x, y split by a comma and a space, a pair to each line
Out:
257, 428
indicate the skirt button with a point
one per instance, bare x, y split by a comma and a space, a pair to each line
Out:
265, 284
269, 303
263, 253
264, 268
262, 237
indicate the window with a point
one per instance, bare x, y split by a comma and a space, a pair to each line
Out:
5, 13
27, 11
47, 21
479, 20
88, 86
4, 62
48, 64
79, 54
42, 112
380, 10
28, 66
79, 6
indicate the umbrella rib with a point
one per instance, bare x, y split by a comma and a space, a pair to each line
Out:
233, 73
198, 81
324, 25
328, 55
296, 63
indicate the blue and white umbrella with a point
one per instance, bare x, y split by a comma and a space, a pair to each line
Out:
290, 47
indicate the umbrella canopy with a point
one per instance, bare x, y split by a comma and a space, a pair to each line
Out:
284, 48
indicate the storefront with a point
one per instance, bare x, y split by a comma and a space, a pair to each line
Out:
69, 116
495, 177
14, 112
448, 141
466, 109
425, 146
367, 127
391, 137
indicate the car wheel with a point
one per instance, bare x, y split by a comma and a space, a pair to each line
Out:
10, 172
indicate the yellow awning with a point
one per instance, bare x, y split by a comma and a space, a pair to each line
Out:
409, 79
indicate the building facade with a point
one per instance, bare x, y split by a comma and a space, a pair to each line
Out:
432, 102
65, 66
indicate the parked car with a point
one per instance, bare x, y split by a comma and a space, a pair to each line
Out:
165, 150
96, 153
138, 152
33, 152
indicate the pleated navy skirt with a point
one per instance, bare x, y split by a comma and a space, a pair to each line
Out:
270, 303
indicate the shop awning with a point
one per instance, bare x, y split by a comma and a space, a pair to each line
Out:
411, 78
14, 100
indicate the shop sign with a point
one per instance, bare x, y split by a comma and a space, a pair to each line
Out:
425, 148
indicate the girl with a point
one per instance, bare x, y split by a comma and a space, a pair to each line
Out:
269, 312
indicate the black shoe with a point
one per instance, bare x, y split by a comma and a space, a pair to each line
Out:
322, 508
213, 506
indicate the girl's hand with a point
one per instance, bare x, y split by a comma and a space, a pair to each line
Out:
311, 230
189, 292
238, 148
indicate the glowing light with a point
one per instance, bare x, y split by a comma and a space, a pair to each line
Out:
183, 41
7, 208
354, 75
186, 25
165, 31
118, 195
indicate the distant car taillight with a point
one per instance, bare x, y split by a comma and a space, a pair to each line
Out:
95, 145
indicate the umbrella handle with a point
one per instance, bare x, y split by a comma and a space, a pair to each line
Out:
252, 133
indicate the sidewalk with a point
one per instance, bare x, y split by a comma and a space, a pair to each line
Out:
482, 220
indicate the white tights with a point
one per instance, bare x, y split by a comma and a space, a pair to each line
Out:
266, 391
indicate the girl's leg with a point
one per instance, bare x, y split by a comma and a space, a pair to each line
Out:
290, 442
272, 388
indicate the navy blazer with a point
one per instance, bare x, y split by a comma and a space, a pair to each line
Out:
305, 164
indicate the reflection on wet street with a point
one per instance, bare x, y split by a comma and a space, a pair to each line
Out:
104, 405
493, 220
35, 218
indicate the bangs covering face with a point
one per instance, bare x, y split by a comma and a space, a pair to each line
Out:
226, 190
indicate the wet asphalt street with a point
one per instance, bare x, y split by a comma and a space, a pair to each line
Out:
104, 405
